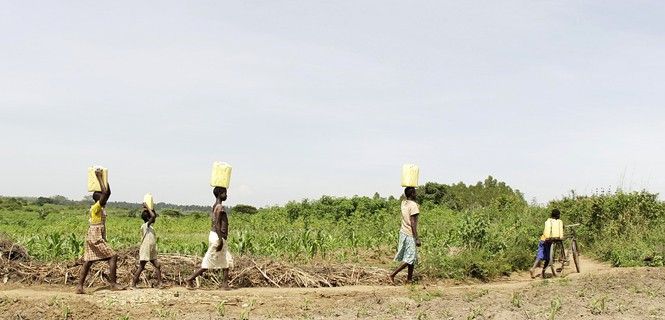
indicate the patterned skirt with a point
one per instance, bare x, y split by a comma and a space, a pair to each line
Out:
96, 247
406, 249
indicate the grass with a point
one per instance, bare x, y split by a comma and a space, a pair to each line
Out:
483, 241
597, 305
555, 306
476, 313
221, 308
246, 309
372, 240
516, 299
423, 295
473, 295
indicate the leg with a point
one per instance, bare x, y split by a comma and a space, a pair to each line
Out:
563, 254
158, 271
533, 269
409, 276
190, 280
135, 280
547, 246
536, 263
400, 268
82, 275
225, 282
113, 266
546, 263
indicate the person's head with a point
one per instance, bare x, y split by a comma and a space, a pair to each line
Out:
96, 196
410, 193
145, 215
556, 214
220, 193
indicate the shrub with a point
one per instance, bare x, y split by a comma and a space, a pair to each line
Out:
171, 213
243, 208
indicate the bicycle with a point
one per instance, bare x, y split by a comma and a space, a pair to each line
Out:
558, 252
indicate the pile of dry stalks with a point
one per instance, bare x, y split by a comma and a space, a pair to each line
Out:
17, 266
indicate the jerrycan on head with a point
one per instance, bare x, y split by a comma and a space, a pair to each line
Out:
148, 200
93, 183
410, 173
221, 174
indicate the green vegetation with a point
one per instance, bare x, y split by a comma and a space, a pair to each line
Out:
481, 231
626, 229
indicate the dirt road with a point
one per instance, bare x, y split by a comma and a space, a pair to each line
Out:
599, 292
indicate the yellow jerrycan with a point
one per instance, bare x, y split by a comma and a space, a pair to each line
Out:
410, 174
553, 229
93, 183
221, 174
147, 199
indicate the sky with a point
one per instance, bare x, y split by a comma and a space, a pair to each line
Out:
306, 98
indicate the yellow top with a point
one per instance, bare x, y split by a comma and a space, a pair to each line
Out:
96, 213
553, 229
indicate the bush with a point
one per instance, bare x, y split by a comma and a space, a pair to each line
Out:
43, 200
625, 229
171, 213
13, 204
243, 208
133, 213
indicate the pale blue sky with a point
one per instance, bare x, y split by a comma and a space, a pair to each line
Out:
306, 98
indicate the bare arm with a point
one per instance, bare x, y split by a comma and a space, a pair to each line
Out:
153, 216
106, 189
414, 228
224, 225
218, 212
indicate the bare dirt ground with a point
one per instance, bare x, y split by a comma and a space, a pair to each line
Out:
599, 292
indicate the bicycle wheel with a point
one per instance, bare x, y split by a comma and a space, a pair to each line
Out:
556, 258
576, 254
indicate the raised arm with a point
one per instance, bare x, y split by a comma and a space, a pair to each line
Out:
153, 214
106, 189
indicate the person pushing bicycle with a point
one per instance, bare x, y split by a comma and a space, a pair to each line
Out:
553, 231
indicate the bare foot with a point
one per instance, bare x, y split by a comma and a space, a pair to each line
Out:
532, 272
391, 278
189, 284
79, 290
116, 287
